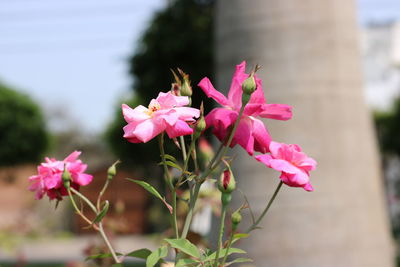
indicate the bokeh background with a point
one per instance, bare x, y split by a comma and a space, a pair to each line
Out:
66, 67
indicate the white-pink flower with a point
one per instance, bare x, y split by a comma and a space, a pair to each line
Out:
165, 113
49, 180
292, 162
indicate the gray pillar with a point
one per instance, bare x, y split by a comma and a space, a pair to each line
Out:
309, 55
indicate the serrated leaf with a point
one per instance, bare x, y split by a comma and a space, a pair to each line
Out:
238, 236
185, 246
142, 253
103, 213
223, 251
101, 256
152, 191
239, 260
186, 262
156, 255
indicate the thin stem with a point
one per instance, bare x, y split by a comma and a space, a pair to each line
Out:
186, 162
192, 203
221, 233
254, 225
183, 147
78, 211
76, 192
103, 190
170, 185
105, 238
228, 247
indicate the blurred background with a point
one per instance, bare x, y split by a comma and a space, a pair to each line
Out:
66, 67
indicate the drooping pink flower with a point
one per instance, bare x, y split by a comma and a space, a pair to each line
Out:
292, 162
49, 178
251, 133
165, 113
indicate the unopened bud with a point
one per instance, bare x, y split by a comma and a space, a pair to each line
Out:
236, 218
200, 127
249, 85
175, 89
227, 183
112, 170
186, 89
66, 177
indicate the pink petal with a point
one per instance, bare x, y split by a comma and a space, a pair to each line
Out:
168, 100
261, 136
243, 136
82, 179
147, 130
235, 91
137, 114
180, 128
187, 113
265, 158
223, 116
73, 156
308, 187
276, 111
283, 166
210, 91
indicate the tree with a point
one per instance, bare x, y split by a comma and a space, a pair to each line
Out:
23, 135
178, 36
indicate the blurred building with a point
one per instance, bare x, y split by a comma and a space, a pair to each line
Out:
380, 44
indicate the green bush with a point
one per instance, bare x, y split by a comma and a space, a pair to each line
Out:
23, 135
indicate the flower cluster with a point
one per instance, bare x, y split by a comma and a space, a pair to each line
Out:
49, 178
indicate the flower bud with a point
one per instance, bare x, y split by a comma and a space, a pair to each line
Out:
186, 89
226, 183
236, 218
249, 85
66, 177
226, 198
200, 127
112, 171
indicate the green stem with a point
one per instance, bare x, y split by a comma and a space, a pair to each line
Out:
103, 190
254, 225
97, 228
104, 236
228, 247
192, 203
183, 147
221, 233
90, 204
170, 185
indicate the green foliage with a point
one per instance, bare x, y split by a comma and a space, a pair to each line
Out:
185, 246
388, 128
178, 36
23, 135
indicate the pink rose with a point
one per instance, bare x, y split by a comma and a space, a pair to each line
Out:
165, 113
49, 180
251, 133
294, 164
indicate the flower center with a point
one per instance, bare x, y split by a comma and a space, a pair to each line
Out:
153, 107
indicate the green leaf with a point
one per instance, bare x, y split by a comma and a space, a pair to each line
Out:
238, 260
103, 213
171, 158
152, 191
101, 256
238, 236
186, 262
185, 246
142, 253
117, 265
173, 165
223, 251
156, 255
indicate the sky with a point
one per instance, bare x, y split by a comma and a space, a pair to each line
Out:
71, 56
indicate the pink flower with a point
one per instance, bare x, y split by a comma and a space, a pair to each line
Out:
251, 133
166, 113
294, 164
49, 180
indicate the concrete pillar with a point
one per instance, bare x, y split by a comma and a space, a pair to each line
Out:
309, 55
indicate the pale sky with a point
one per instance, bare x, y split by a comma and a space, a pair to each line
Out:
71, 55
